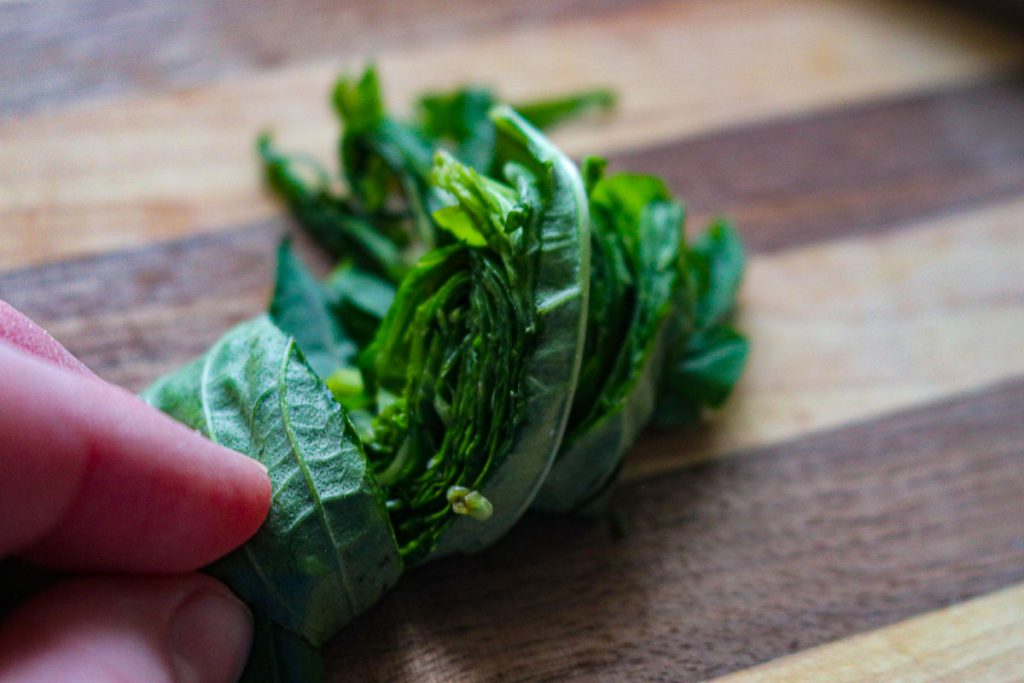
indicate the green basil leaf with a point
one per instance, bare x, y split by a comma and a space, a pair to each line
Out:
618, 266
555, 240
703, 377
716, 263
359, 298
461, 118
326, 551
358, 100
592, 171
707, 356
278, 654
550, 112
377, 152
328, 218
714, 363
475, 364
300, 307
637, 238
456, 221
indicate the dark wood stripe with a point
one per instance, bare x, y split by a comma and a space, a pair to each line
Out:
727, 564
1009, 14
852, 170
53, 52
134, 314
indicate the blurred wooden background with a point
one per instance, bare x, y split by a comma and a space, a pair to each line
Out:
857, 514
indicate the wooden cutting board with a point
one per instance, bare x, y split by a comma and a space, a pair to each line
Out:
856, 514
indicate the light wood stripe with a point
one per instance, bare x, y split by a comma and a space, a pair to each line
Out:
129, 172
851, 329
57, 52
981, 641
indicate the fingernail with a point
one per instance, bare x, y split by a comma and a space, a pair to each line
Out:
210, 637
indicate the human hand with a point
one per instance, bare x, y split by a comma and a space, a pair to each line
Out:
96, 482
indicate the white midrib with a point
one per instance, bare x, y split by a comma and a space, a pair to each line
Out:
301, 464
204, 399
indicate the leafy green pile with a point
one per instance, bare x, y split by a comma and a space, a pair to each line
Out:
496, 331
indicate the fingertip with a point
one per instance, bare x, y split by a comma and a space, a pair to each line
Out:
139, 629
239, 496
244, 505
209, 636
243, 488
20, 331
114, 484
190, 502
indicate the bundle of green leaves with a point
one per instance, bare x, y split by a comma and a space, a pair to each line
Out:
499, 326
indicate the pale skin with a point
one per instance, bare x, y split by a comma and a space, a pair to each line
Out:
128, 504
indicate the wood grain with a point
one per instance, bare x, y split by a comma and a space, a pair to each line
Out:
1009, 13
980, 640
52, 53
727, 564
852, 170
130, 171
133, 316
845, 330
873, 155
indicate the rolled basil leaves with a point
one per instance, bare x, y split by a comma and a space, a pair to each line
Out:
496, 331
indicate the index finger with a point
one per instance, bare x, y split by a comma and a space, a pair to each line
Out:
95, 479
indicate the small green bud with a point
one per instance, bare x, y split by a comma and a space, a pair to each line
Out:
346, 385
472, 503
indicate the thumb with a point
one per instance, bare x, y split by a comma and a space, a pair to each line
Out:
180, 629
